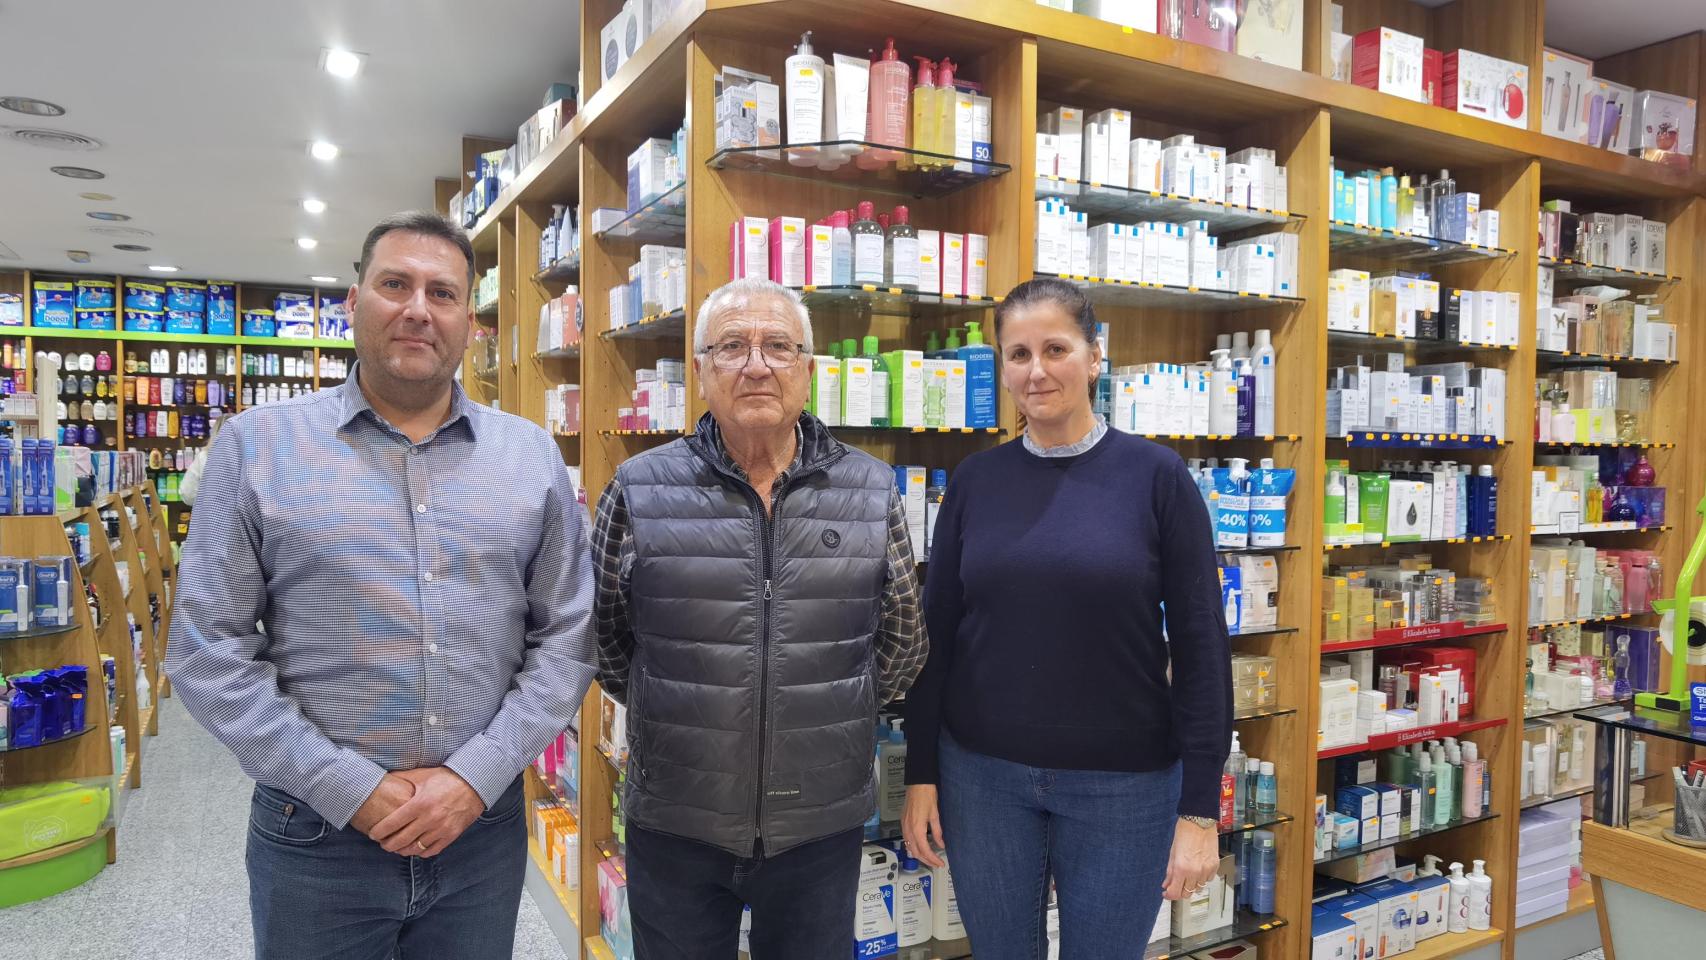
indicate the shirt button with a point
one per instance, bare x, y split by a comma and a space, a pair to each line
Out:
432, 720
420, 508
432, 648
427, 576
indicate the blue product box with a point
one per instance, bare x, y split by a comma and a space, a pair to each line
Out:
182, 321
97, 319
96, 294
145, 321
54, 304
221, 308
259, 323
11, 310
1697, 703
1232, 597
334, 317
186, 296
148, 297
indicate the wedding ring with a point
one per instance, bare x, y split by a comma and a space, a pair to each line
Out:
420, 844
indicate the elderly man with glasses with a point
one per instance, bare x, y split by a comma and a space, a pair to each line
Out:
756, 604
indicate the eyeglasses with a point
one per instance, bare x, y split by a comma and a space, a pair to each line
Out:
734, 354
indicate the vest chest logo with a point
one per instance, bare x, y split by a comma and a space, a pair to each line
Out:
831, 539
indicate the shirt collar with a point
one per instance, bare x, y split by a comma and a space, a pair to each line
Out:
355, 403
1098, 430
716, 440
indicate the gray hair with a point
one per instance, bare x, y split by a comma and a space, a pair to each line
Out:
425, 223
739, 293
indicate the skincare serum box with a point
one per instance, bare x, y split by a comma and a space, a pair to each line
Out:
749, 249
820, 255
977, 265
912, 484
906, 387
953, 264
1389, 61
929, 261
826, 390
1145, 160
954, 414
1066, 125
1343, 46
1115, 145
646, 175
788, 251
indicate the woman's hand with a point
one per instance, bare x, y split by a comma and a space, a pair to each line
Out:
920, 823
1194, 858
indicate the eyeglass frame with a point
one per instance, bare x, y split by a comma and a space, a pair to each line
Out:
710, 351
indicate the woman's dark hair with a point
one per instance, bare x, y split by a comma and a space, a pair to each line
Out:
1053, 292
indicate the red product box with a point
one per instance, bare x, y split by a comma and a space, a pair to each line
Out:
1389, 61
1433, 77
1435, 659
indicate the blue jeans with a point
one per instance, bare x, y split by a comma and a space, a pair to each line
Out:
685, 899
316, 893
1104, 837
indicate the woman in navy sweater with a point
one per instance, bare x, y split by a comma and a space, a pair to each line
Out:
1056, 731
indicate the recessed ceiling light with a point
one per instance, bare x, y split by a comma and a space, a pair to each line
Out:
341, 63
32, 106
307, 243
131, 247
314, 206
79, 173
77, 256
107, 215
101, 197
162, 268
318, 279
323, 150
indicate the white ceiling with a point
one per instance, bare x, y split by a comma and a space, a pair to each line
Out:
206, 109
1598, 28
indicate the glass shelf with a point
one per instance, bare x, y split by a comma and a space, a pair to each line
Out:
1433, 731
1613, 618
1408, 249
1496, 538
925, 174
1255, 551
568, 268
1124, 293
87, 729
1421, 441
36, 632
1658, 723
1421, 633
1618, 445
1244, 924
1568, 269
661, 327
1101, 203
1615, 526
1567, 711
571, 352
1262, 713
486, 309
1261, 632
642, 433
1181, 437
882, 430
1335, 856
887, 299
1577, 357
1377, 341
664, 220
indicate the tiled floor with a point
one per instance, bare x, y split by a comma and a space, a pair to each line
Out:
179, 888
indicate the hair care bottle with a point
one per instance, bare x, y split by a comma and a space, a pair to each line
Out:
1457, 901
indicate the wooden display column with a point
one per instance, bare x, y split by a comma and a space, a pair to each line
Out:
128, 550
114, 637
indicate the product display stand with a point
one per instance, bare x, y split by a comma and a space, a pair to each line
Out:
86, 755
143, 574
102, 574
1030, 59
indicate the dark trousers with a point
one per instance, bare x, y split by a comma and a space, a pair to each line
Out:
316, 893
685, 899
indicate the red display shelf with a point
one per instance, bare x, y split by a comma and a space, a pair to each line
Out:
1435, 731
1427, 632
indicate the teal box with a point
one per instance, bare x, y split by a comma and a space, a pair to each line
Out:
221, 309
54, 305
145, 321
259, 323
97, 320
182, 321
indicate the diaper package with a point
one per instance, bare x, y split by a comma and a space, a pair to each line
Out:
150, 297
54, 304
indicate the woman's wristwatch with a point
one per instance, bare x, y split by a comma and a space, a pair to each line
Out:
1205, 822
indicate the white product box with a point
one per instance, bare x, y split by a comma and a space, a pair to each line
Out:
1348, 293
1117, 124
910, 412
788, 242
1137, 14
1566, 81
977, 265
826, 390
647, 172
1664, 125
930, 261
1488, 223
1607, 111
1338, 713
914, 485
613, 51
1481, 86
1066, 125
1654, 231
1095, 169
954, 415
1332, 938
953, 264
1048, 156
749, 248
1078, 230
820, 256
1342, 47
1211, 907
1389, 61
1272, 34
1145, 161
856, 391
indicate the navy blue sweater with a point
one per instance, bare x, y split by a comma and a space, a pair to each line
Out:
1044, 607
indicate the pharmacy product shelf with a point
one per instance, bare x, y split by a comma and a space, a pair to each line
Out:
1424, 633
1434, 731
904, 172
1408, 249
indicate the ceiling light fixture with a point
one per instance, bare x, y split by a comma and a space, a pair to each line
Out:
341, 63
79, 173
314, 206
131, 247
323, 150
318, 279
77, 256
100, 197
307, 243
108, 216
162, 268
31, 107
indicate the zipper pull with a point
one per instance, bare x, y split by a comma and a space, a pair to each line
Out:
767, 589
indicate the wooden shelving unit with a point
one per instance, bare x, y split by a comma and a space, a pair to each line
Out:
1030, 58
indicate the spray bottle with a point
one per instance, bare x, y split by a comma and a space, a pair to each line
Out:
1232, 786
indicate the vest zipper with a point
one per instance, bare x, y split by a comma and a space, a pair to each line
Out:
767, 548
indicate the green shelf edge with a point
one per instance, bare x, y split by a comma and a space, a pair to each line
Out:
209, 338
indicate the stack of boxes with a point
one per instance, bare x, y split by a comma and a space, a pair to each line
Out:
1548, 861
1626, 241
1401, 64
1099, 150
560, 322
1172, 254
657, 285
1441, 398
1578, 106
1402, 305
1249, 590
659, 399
563, 409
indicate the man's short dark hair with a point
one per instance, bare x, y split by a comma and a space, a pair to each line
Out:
425, 223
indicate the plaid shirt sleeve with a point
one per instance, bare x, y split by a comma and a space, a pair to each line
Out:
901, 643
613, 563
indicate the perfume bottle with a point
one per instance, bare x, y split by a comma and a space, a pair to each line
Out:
1621, 510
1641, 473
1620, 688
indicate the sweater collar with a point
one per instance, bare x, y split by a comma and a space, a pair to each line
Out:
1098, 430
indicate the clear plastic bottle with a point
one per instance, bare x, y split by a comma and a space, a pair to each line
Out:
840, 249
879, 383
1262, 873
890, 108
924, 113
900, 252
868, 245
1232, 781
1267, 790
